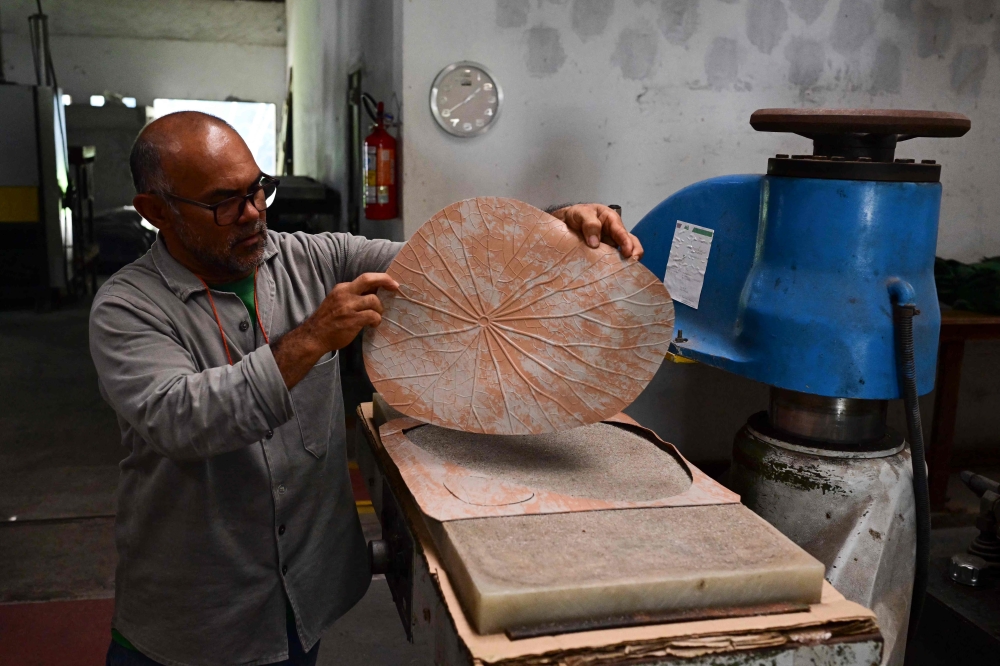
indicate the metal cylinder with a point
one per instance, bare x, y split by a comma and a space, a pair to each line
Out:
853, 511
827, 420
38, 29
379, 556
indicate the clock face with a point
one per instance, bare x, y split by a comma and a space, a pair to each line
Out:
465, 99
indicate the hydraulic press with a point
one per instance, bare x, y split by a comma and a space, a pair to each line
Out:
817, 279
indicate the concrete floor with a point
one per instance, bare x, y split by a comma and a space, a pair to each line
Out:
59, 454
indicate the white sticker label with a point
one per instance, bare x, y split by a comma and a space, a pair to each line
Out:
688, 259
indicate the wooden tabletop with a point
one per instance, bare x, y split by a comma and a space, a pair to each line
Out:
962, 325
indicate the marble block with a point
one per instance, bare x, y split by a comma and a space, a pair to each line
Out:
519, 571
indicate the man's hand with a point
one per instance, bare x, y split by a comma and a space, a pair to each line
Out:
349, 307
598, 223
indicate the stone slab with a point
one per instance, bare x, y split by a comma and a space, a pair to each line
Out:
617, 464
600, 461
515, 571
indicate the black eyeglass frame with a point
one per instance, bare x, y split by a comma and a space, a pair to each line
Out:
262, 181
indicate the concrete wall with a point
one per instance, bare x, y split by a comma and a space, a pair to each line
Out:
328, 39
629, 101
184, 49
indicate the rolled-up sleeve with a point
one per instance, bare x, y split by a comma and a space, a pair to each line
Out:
153, 382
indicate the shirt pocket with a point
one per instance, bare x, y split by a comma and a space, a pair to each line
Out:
315, 402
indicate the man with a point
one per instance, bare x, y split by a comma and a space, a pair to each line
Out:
237, 534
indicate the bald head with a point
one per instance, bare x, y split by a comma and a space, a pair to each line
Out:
185, 167
172, 140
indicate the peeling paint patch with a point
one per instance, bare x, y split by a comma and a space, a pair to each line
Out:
900, 8
589, 18
512, 13
805, 477
722, 63
933, 30
808, 10
854, 24
887, 70
968, 69
635, 53
545, 51
807, 60
678, 20
979, 11
767, 21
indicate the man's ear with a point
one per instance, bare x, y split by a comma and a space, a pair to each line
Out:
153, 209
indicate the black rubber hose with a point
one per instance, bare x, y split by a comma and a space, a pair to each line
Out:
908, 379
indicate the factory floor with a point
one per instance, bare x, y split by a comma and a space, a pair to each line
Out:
59, 451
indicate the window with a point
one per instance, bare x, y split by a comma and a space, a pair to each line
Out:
255, 122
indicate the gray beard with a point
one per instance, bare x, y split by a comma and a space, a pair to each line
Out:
227, 260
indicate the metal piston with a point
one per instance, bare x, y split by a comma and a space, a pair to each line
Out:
829, 423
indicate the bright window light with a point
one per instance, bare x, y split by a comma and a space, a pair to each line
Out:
129, 102
67, 100
255, 122
97, 100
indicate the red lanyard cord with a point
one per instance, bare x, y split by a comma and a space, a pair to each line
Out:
256, 309
222, 334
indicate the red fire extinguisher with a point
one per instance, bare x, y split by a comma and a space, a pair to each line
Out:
380, 172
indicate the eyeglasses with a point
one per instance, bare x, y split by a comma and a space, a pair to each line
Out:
228, 211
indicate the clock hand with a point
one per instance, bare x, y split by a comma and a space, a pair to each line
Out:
466, 100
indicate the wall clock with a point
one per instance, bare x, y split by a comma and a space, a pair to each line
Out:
465, 99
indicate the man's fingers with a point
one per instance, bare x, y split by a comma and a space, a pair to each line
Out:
615, 230
590, 227
370, 318
367, 283
369, 302
637, 250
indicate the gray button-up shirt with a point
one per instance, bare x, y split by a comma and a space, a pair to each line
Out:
235, 491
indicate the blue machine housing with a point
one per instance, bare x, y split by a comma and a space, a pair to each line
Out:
799, 282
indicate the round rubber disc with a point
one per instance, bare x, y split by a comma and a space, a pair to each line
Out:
507, 323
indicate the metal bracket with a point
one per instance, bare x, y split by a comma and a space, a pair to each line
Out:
399, 575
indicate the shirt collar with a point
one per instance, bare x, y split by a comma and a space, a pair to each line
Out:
182, 281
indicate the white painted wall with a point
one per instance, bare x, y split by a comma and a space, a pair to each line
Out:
327, 40
628, 101
184, 49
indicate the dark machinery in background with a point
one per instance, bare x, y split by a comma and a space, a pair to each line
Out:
122, 238
36, 244
81, 205
46, 244
961, 620
304, 204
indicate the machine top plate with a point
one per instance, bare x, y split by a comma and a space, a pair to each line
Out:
903, 122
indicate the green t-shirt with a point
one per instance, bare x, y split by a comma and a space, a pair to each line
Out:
244, 289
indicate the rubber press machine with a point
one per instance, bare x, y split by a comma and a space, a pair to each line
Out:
817, 279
